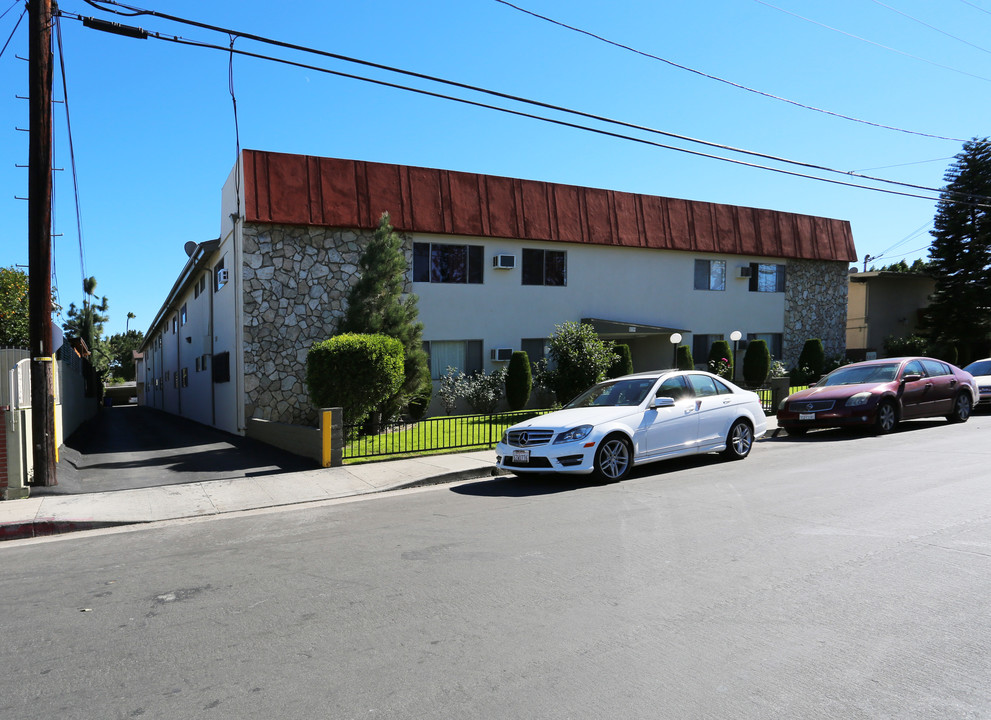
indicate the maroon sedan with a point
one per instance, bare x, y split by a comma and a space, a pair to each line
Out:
879, 393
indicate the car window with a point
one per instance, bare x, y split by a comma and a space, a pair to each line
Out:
913, 367
856, 374
703, 385
935, 368
980, 367
674, 387
722, 388
611, 394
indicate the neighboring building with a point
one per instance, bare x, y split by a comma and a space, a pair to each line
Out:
496, 263
884, 304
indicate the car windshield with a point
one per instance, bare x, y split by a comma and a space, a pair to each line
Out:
613, 394
981, 367
854, 375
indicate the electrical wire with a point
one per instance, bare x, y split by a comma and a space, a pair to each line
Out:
16, 25
917, 162
237, 132
870, 42
764, 156
722, 80
931, 27
72, 151
975, 6
12, 6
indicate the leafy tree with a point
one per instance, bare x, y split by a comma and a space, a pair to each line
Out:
519, 381
960, 254
580, 359
15, 322
910, 345
376, 305
119, 351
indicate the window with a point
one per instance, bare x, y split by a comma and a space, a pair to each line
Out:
773, 341
175, 320
673, 387
545, 267
534, 349
765, 277
701, 345
185, 377
462, 355
182, 316
710, 274
935, 368
200, 286
440, 263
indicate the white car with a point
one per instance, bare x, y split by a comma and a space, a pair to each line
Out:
981, 370
633, 420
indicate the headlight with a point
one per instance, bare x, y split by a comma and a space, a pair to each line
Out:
505, 437
858, 399
576, 433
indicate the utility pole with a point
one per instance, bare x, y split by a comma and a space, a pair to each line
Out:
40, 241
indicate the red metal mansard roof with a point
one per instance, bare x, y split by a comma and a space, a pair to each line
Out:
305, 190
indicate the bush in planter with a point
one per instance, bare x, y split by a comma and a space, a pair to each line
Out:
356, 372
483, 392
580, 358
519, 381
756, 363
721, 359
685, 359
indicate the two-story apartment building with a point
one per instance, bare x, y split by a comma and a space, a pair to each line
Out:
496, 263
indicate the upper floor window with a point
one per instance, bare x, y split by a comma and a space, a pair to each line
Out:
175, 323
545, 267
442, 263
710, 274
182, 315
219, 275
766, 277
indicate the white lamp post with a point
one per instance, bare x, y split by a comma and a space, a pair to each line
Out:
675, 339
735, 337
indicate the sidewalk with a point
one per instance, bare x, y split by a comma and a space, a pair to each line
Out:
55, 514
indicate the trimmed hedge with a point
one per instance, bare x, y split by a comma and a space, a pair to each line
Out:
624, 362
355, 372
685, 359
756, 363
519, 381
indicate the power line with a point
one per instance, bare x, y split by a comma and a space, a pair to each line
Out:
811, 166
931, 27
871, 42
16, 25
72, 151
917, 162
975, 6
719, 79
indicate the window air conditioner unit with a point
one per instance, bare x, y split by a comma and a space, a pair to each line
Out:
502, 354
746, 271
504, 262
222, 275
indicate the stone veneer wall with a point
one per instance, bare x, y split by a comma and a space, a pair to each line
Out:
296, 281
815, 307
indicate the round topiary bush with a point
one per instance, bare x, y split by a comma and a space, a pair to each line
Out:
756, 363
354, 371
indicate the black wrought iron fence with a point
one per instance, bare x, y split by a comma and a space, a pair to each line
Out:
433, 434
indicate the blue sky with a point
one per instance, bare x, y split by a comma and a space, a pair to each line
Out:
154, 140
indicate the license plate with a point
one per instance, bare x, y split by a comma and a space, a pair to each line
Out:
521, 456
806, 416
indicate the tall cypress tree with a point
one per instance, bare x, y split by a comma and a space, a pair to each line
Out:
376, 305
960, 254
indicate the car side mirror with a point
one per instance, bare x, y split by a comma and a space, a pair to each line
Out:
662, 402
913, 377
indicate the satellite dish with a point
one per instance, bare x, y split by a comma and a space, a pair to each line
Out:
190, 248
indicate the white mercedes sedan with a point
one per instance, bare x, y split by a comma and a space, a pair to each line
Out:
636, 419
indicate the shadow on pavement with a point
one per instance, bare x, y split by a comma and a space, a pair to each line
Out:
129, 447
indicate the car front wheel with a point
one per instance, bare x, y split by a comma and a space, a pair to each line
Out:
887, 418
614, 458
962, 407
739, 440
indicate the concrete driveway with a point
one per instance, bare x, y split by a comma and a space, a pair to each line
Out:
129, 447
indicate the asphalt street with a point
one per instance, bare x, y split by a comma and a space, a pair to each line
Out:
831, 576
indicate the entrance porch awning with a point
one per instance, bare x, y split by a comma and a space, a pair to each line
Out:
615, 329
